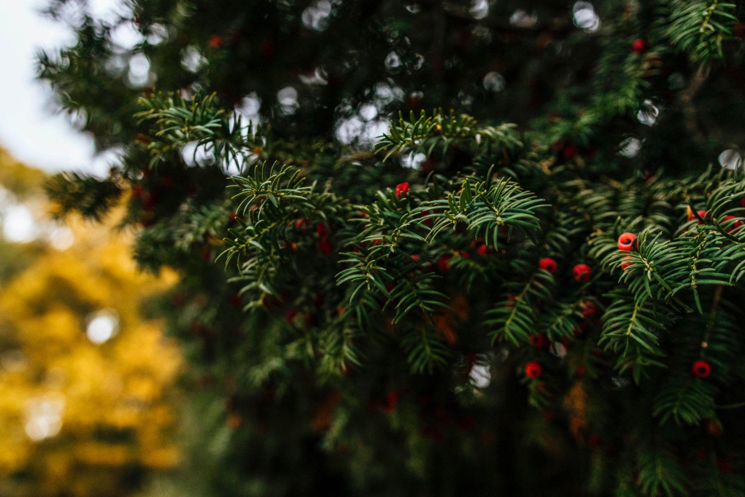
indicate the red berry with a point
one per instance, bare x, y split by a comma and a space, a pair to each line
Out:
548, 264
713, 427
402, 189
626, 242
290, 315
444, 262
739, 30
627, 264
325, 246
322, 230
484, 250
533, 370
701, 368
742, 202
639, 46
732, 226
539, 341
391, 400
595, 440
510, 300
582, 272
589, 309
570, 151
149, 203
137, 191
428, 221
216, 42
235, 216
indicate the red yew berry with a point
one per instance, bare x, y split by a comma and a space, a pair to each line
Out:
701, 368
402, 189
582, 272
290, 315
533, 370
595, 441
539, 341
626, 242
742, 202
235, 217
739, 30
627, 264
325, 246
470, 362
477, 242
548, 264
149, 202
713, 427
236, 300
428, 221
589, 309
570, 151
216, 42
483, 250
639, 46
390, 402
137, 191
732, 226
322, 230
443, 263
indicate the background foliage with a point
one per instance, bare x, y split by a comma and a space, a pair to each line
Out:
78, 418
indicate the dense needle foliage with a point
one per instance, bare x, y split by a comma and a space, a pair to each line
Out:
538, 292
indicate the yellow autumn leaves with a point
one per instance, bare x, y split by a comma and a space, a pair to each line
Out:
85, 381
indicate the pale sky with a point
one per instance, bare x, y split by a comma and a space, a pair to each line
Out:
28, 127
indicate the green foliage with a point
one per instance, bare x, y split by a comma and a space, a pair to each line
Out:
397, 309
700, 27
91, 197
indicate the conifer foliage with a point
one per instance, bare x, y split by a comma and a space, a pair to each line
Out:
537, 293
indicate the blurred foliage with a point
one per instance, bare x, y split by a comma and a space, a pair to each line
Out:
79, 418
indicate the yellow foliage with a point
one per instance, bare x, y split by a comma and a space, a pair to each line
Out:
76, 417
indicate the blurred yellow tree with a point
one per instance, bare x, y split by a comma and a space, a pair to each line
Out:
85, 380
